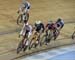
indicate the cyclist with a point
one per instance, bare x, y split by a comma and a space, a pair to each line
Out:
52, 27
26, 32
27, 28
38, 30
24, 9
60, 23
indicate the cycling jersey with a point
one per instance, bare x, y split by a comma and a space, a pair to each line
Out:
27, 29
39, 27
60, 23
51, 26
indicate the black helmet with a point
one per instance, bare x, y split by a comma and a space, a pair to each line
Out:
59, 19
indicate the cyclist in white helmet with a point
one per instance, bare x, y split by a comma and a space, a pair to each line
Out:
37, 32
39, 26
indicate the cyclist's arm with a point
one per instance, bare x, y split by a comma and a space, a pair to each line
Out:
73, 33
21, 9
25, 10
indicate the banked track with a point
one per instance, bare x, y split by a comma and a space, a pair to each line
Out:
17, 30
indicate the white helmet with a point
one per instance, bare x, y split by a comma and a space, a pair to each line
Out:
38, 22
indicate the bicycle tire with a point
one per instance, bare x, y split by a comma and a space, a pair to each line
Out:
19, 19
20, 46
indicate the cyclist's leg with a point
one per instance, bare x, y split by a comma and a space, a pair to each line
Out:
73, 35
26, 40
31, 40
45, 39
56, 33
28, 13
40, 38
48, 35
26, 16
28, 43
22, 32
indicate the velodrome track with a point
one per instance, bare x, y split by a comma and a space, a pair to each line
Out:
15, 56
41, 10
